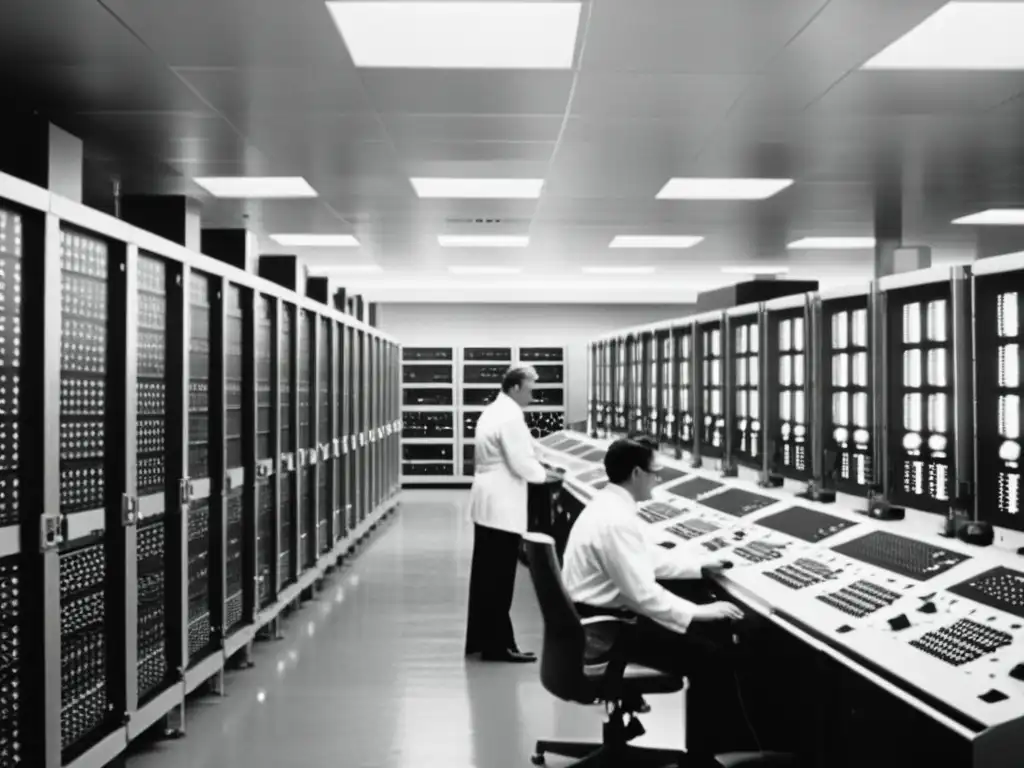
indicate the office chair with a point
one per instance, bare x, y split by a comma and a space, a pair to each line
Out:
567, 672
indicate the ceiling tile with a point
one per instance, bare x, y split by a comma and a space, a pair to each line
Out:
692, 36
468, 93
600, 94
411, 128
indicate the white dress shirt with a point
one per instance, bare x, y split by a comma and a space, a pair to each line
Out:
505, 462
611, 561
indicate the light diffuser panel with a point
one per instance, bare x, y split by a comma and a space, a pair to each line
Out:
495, 189
484, 270
995, 217
960, 36
483, 241
832, 243
316, 241
722, 189
655, 241
459, 35
256, 186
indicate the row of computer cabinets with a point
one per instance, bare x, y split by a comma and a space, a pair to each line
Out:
444, 391
185, 447
906, 389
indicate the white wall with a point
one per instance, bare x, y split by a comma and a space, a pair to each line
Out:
518, 325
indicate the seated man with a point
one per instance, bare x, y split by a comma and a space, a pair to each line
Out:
612, 566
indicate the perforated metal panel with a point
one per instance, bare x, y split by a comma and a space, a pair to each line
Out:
265, 556
747, 424
287, 500
920, 380
10, 663
847, 381
151, 544
325, 507
199, 345
233, 562
10, 366
233, 353
85, 704
307, 440
84, 333
151, 458
667, 385
543, 423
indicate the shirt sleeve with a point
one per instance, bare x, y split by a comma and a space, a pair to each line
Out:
626, 558
517, 446
678, 563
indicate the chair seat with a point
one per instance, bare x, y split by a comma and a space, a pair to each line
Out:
638, 679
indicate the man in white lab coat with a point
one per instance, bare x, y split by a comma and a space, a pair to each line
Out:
505, 463
614, 566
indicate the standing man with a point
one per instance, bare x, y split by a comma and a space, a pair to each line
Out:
505, 463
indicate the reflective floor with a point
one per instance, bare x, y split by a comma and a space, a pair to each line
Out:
371, 673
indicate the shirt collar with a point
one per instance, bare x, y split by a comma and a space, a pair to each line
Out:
621, 494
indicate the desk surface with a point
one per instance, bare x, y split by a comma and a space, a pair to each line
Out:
934, 621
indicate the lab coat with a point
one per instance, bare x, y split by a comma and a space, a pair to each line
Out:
506, 462
612, 561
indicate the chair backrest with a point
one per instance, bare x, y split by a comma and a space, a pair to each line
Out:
561, 662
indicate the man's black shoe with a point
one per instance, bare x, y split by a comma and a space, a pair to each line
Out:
513, 657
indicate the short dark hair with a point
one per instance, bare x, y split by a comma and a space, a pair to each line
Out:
516, 377
626, 454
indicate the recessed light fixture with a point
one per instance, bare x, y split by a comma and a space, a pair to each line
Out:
654, 241
755, 270
994, 216
256, 186
484, 270
722, 189
832, 243
316, 241
356, 269
483, 241
960, 36
459, 35
495, 189
618, 270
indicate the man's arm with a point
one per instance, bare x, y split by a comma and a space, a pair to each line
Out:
517, 446
626, 557
679, 563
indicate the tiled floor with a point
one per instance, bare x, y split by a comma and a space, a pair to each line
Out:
371, 673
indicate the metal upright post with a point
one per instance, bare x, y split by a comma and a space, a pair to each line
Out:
878, 304
728, 462
963, 497
251, 476
277, 457
124, 344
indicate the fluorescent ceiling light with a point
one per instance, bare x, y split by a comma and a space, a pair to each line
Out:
484, 270
832, 243
755, 270
256, 186
722, 189
483, 241
459, 35
994, 216
507, 189
654, 241
356, 269
618, 270
316, 241
960, 36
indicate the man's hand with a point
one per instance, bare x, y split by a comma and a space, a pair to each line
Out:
720, 611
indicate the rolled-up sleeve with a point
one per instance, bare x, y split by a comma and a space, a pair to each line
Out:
626, 559
517, 445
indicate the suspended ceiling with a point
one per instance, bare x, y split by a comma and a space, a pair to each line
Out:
658, 89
